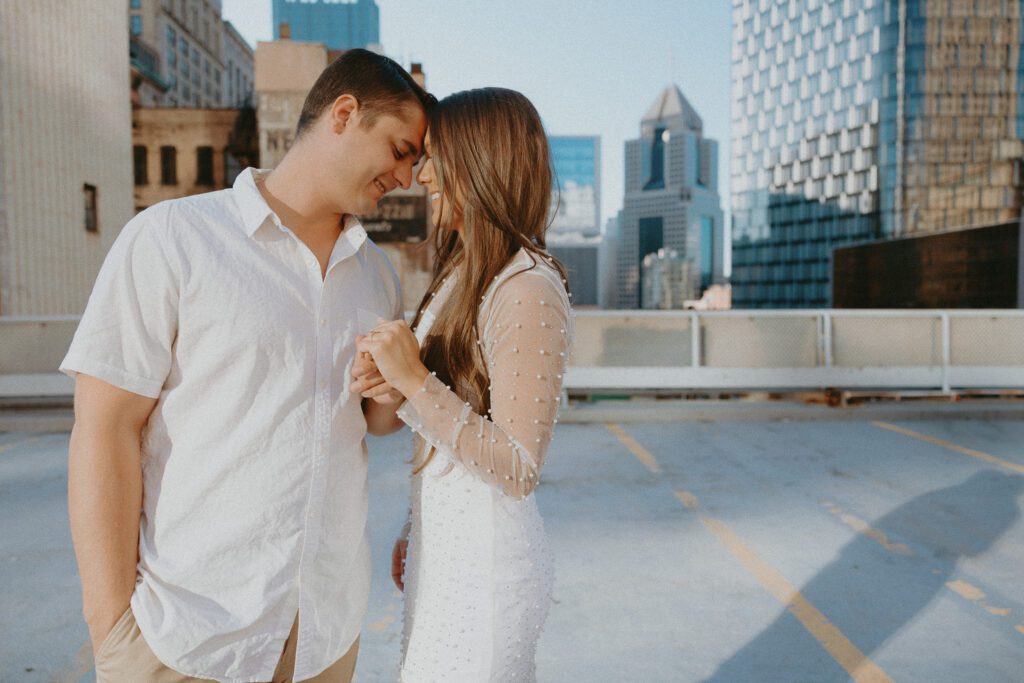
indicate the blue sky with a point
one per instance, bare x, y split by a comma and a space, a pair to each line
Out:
591, 67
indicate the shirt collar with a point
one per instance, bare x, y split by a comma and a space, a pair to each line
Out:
253, 206
255, 212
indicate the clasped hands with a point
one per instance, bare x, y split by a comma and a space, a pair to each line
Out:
387, 367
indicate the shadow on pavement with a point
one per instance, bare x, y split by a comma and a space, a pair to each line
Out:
940, 527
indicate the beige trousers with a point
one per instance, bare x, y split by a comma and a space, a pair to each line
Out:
124, 656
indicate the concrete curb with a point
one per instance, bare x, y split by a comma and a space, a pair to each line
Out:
47, 421
61, 419
729, 411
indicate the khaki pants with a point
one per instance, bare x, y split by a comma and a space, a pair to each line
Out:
124, 656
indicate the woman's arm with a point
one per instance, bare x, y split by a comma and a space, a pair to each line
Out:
525, 342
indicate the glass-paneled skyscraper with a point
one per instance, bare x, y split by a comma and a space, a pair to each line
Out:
574, 236
338, 24
577, 164
867, 119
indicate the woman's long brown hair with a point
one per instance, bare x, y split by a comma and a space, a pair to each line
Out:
490, 151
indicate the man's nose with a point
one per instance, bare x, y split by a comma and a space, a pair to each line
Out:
403, 174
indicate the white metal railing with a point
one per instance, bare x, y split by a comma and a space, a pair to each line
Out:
942, 350
669, 351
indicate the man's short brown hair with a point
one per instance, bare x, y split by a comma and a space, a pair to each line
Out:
377, 82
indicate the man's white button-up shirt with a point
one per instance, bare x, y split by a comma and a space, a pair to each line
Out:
253, 460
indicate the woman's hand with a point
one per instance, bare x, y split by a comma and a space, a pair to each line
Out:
396, 353
398, 554
369, 383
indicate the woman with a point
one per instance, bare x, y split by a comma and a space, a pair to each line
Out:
481, 380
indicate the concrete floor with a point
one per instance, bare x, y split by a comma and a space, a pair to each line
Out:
700, 551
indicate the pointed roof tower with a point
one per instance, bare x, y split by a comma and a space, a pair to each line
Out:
671, 110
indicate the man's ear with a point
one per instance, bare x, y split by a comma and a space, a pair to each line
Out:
344, 112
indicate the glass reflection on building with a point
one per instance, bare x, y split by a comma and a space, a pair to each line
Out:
854, 121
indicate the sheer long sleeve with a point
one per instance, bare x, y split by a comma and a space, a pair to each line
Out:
526, 343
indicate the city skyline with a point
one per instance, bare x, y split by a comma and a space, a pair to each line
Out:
566, 61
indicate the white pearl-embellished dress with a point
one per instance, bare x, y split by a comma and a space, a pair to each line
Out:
479, 574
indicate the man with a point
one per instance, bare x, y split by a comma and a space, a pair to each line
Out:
211, 394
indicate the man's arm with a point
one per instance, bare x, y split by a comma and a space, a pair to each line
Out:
105, 497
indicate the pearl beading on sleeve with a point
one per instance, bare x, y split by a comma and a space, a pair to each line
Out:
529, 311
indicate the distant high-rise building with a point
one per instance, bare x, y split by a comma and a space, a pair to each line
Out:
864, 121
608, 263
668, 280
237, 82
338, 24
581, 260
574, 236
671, 198
576, 205
201, 61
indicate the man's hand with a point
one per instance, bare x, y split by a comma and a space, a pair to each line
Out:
398, 554
368, 382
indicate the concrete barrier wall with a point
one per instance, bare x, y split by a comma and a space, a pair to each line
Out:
34, 345
679, 350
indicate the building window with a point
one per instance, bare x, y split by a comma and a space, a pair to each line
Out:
91, 219
139, 163
652, 236
136, 4
136, 24
204, 165
707, 250
656, 160
168, 166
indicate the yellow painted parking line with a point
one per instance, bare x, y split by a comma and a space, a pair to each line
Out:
970, 592
862, 527
990, 459
636, 449
688, 499
1020, 628
860, 668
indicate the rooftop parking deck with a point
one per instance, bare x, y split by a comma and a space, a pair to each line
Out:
703, 550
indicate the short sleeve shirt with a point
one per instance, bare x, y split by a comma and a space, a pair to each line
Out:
253, 460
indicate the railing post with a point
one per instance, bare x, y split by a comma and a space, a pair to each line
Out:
944, 316
826, 337
694, 339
